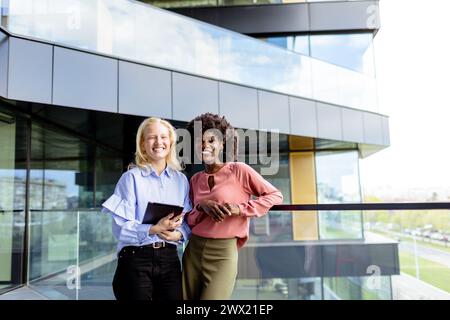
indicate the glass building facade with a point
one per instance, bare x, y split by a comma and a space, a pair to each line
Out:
60, 164
60, 161
119, 28
351, 51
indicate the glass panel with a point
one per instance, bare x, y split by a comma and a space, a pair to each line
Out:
132, 30
7, 165
12, 190
278, 289
181, 3
73, 254
423, 238
299, 44
12, 228
54, 253
342, 86
108, 169
97, 261
256, 150
61, 170
96, 282
338, 182
208, 3
96, 238
283, 42
352, 51
247, 2
276, 226
360, 269
356, 288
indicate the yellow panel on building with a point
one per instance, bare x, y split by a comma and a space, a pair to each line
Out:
297, 143
303, 191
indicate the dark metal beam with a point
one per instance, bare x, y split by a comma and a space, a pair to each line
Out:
291, 18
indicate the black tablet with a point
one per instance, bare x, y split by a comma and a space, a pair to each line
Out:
156, 211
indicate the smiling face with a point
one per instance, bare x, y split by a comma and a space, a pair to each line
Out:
209, 149
156, 142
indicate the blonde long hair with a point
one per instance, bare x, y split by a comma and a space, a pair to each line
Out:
141, 159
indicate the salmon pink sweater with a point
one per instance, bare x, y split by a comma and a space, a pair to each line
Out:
234, 183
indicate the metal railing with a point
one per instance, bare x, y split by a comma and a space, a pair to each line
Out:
81, 234
364, 206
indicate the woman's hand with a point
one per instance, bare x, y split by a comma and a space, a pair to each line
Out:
166, 224
170, 235
214, 209
217, 211
233, 209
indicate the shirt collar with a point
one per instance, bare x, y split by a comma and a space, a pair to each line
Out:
168, 171
148, 170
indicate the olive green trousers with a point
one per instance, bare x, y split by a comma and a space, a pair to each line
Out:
209, 268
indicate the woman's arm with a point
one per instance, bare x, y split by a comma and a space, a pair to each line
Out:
122, 207
267, 195
182, 232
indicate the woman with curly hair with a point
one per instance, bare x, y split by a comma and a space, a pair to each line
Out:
224, 196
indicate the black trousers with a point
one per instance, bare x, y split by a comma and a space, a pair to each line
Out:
146, 273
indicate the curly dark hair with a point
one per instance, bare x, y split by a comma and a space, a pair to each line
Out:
213, 121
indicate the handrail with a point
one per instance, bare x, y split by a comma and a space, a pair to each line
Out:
311, 207
364, 206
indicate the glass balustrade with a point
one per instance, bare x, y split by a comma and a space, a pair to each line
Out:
140, 32
398, 254
215, 3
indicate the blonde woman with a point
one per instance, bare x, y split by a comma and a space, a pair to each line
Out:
148, 266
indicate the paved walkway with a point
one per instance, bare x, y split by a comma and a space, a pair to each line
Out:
23, 293
424, 251
406, 287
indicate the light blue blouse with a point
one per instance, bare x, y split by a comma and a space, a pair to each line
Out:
135, 189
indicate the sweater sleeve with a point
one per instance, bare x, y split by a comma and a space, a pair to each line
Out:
253, 183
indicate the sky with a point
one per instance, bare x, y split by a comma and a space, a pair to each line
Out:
412, 57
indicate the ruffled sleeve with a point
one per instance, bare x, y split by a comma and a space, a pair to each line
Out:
122, 207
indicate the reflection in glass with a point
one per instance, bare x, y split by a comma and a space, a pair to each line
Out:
299, 44
108, 169
61, 170
53, 252
181, 3
357, 288
210, 3
276, 226
12, 191
338, 182
73, 254
97, 255
352, 51
132, 30
278, 289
